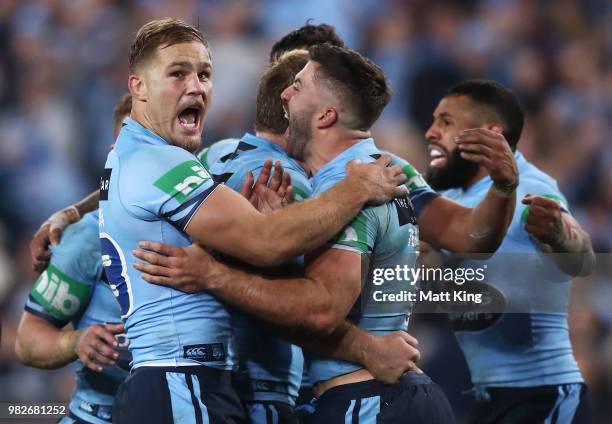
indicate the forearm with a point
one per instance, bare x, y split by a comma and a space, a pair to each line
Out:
88, 204
297, 303
302, 227
574, 255
47, 348
488, 222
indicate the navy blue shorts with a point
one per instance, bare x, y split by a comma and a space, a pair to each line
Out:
563, 404
413, 399
164, 395
271, 412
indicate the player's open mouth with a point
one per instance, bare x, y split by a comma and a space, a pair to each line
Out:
438, 156
189, 118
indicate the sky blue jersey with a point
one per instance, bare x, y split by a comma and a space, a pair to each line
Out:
387, 235
529, 345
216, 151
149, 191
71, 290
270, 367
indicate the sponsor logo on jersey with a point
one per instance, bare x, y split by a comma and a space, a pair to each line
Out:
182, 180
60, 295
104, 183
205, 352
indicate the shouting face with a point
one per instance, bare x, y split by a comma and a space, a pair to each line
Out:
175, 85
447, 169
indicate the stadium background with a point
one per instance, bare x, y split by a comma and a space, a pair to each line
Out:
63, 65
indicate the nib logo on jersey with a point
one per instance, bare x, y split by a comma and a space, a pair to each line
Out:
181, 180
205, 352
59, 294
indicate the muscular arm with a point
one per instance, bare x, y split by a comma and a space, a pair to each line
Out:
88, 203
228, 223
448, 225
39, 344
557, 232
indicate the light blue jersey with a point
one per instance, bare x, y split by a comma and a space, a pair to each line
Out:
149, 191
530, 346
71, 290
218, 151
387, 235
270, 369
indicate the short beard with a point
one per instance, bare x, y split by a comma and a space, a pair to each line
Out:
300, 134
457, 173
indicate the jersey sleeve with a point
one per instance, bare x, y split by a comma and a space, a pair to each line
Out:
360, 235
62, 292
164, 182
419, 192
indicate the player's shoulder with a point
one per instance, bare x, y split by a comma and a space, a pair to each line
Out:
217, 152
535, 182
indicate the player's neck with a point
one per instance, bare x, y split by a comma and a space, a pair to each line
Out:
330, 143
277, 139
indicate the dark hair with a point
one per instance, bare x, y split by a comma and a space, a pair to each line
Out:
356, 81
162, 32
498, 99
304, 37
269, 111
122, 108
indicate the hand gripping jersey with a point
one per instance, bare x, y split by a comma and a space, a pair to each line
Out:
71, 290
529, 345
269, 367
388, 236
149, 191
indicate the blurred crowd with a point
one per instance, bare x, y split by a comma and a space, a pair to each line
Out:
63, 65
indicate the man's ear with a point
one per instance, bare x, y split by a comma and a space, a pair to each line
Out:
327, 118
137, 87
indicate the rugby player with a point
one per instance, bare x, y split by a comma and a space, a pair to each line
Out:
331, 105
521, 362
71, 290
153, 187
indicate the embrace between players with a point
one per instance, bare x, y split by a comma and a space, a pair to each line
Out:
217, 279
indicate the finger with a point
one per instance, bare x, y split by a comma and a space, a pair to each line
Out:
400, 191
153, 269
247, 186
482, 149
160, 281
538, 210
115, 328
106, 351
106, 336
383, 160
152, 258
545, 203
40, 266
277, 177
55, 235
289, 196
411, 340
527, 200
43, 255
282, 192
100, 358
164, 249
264, 174
90, 363
477, 158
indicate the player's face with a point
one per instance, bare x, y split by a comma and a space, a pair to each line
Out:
447, 169
179, 90
300, 100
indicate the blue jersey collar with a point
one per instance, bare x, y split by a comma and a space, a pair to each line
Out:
364, 147
146, 134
